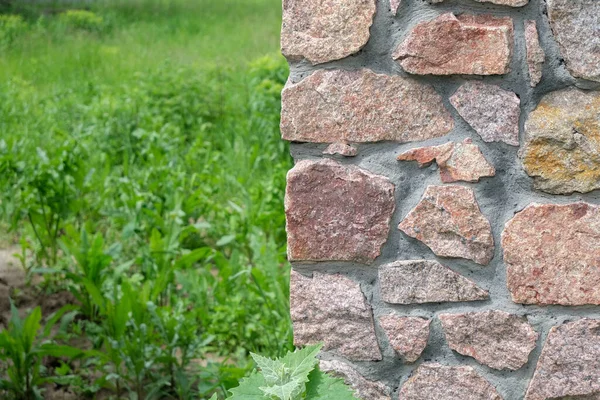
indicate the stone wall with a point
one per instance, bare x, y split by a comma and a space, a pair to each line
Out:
443, 214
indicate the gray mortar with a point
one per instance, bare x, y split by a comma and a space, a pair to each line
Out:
499, 197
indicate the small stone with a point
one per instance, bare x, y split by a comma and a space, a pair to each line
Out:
552, 254
408, 336
364, 388
361, 106
569, 365
562, 142
395, 4
535, 53
434, 381
458, 44
342, 149
575, 26
492, 111
425, 281
325, 31
510, 3
449, 222
457, 161
494, 338
336, 212
332, 309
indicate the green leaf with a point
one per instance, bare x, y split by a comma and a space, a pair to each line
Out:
321, 386
287, 391
274, 371
302, 362
55, 350
225, 240
249, 388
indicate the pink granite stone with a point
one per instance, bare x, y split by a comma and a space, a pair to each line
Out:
408, 336
342, 149
494, 338
457, 161
361, 106
510, 3
332, 309
535, 53
366, 389
395, 4
336, 212
458, 44
552, 254
449, 222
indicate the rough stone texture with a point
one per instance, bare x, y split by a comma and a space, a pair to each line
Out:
535, 53
322, 31
408, 336
332, 309
575, 24
492, 111
449, 222
495, 338
336, 212
552, 254
510, 3
457, 161
361, 106
562, 142
342, 149
395, 4
438, 382
364, 388
462, 44
569, 366
425, 281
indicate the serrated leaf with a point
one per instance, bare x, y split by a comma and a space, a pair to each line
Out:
274, 371
324, 387
302, 362
288, 391
249, 388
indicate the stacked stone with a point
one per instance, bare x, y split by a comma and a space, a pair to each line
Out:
490, 286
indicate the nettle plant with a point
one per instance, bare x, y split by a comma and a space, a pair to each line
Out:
295, 376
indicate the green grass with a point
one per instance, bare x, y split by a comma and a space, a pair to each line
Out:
142, 169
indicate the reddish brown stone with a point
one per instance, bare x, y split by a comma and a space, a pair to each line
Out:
361, 106
408, 336
332, 309
495, 338
449, 222
342, 149
569, 366
463, 44
366, 389
535, 53
438, 382
552, 254
322, 31
336, 212
457, 161
425, 281
492, 111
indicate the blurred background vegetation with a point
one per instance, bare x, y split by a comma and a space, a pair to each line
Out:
142, 180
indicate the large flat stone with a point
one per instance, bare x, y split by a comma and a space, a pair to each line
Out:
492, 111
457, 161
494, 338
425, 281
408, 336
535, 53
361, 106
336, 212
569, 366
552, 254
458, 44
576, 28
332, 309
322, 31
364, 388
449, 222
438, 382
562, 142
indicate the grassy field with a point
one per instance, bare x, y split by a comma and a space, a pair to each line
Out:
142, 178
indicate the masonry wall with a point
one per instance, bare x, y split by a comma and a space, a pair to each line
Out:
443, 214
